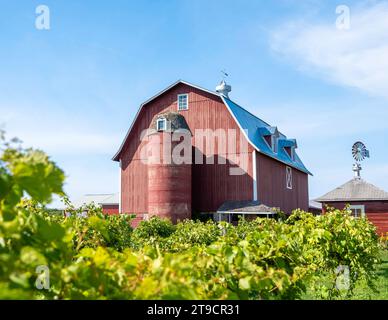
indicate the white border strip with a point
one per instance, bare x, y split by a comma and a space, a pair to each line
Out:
254, 175
120, 186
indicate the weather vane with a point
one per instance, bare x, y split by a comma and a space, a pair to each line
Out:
224, 74
359, 153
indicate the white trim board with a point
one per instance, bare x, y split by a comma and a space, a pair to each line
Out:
120, 164
254, 175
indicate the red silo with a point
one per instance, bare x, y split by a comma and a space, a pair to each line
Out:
169, 168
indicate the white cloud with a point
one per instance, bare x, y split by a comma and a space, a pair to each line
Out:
356, 57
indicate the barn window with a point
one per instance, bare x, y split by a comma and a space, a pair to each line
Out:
183, 101
289, 178
271, 140
161, 124
291, 152
357, 210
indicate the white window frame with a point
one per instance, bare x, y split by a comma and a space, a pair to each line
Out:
161, 120
291, 155
187, 101
289, 178
273, 145
274, 142
358, 207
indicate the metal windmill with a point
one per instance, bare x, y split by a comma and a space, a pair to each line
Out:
359, 153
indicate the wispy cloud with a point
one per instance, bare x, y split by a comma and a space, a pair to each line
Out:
356, 57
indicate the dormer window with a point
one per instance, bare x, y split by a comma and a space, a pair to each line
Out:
291, 152
183, 101
161, 124
271, 140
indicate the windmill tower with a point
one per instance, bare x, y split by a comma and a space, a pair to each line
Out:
359, 153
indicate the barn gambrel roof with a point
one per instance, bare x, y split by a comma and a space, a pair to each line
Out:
253, 128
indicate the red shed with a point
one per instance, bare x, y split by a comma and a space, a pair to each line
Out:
234, 156
109, 202
364, 199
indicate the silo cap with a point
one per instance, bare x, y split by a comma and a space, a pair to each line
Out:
175, 122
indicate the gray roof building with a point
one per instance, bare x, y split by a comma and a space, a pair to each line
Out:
355, 190
315, 205
97, 199
245, 207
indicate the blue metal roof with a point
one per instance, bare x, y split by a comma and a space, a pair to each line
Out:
256, 129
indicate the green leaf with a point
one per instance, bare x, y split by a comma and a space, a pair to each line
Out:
244, 283
100, 225
49, 231
32, 257
21, 279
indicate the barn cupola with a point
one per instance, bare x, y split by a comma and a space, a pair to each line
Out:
224, 89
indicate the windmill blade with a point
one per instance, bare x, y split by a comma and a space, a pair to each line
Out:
359, 151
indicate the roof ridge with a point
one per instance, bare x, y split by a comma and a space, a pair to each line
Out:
250, 113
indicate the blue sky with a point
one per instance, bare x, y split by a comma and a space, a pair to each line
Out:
73, 90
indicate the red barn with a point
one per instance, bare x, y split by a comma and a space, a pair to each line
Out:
232, 156
364, 200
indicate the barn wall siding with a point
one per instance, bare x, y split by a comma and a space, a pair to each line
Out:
110, 209
272, 190
212, 185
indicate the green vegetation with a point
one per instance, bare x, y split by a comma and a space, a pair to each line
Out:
362, 291
96, 256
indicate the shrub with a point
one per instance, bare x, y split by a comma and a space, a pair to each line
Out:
95, 256
151, 231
